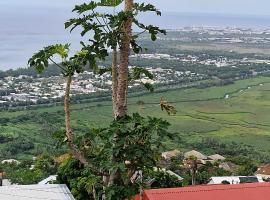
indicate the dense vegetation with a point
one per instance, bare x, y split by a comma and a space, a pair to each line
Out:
202, 113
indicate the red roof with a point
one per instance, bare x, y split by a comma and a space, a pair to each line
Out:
251, 191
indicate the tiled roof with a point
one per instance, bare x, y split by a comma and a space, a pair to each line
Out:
196, 154
217, 157
170, 154
252, 191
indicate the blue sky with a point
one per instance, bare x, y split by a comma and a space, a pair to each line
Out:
242, 7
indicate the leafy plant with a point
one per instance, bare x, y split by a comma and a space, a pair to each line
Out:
138, 148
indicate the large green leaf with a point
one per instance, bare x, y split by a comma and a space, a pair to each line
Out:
40, 60
110, 2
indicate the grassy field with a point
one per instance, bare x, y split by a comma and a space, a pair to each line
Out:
244, 117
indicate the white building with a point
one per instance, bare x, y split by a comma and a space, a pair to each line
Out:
48, 180
26, 192
235, 179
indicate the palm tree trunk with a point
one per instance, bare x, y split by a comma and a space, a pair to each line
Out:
124, 62
69, 133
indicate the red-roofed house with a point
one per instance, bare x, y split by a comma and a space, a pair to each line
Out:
251, 191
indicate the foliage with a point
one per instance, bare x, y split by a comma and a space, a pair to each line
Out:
216, 123
138, 147
25, 176
129, 144
46, 164
107, 30
243, 153
162, 179
167, 107
248, 169
29, 171
203, 174
209, 170
77, 178
247, 166
137, 73
16, 145
68, 65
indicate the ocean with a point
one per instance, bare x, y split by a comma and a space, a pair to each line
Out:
23, 32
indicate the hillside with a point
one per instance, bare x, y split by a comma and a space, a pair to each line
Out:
236, 113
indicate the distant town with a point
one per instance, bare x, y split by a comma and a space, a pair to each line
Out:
36, 90
178, 60
223, 35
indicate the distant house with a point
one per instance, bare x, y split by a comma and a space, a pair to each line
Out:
264, 171
217, 157
195, 154
26, 192
251, 191
235, 180
201, 158
168, 155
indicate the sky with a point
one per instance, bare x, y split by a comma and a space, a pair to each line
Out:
28, 25
237, 7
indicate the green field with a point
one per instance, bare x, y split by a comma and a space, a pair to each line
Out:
244, 117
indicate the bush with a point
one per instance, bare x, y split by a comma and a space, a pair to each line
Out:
18, 145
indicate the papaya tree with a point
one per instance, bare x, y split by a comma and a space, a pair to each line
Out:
112, 156
115, 31
69, 66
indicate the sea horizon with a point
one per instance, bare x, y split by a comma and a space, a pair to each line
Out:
22, 35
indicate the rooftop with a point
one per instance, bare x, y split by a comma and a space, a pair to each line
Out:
196, 154
170, 154
217, 157
26, 192
235, 179
252, 191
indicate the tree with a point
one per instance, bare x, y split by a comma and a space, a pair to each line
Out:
247, 169
69, 66
24, 172
114, 32
128, 144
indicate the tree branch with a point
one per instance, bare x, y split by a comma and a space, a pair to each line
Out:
61, 67
69, 133
140, 33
